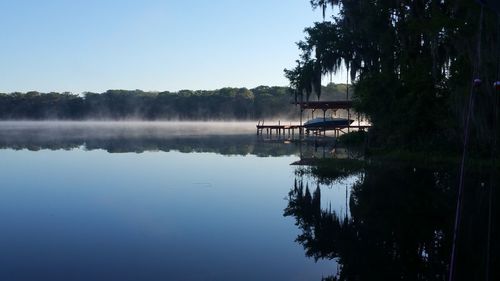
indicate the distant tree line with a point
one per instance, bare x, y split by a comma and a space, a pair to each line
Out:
226, 103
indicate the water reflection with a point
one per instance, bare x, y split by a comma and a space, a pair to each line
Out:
187, 137
138, 137
92, 215
400, 224
386, 222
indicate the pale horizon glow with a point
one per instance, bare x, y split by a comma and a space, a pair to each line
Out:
151, 45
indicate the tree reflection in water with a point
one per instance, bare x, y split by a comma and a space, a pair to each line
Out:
399, 226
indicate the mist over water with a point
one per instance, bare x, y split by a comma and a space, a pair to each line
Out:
165, 129
226, 138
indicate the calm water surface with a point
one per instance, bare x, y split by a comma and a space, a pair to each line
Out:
71, 208
191, 201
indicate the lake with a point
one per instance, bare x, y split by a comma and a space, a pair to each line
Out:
213, 201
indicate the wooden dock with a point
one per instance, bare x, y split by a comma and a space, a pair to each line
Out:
290, 130
278, 129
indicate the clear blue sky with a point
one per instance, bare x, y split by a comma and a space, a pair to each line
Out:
95, 45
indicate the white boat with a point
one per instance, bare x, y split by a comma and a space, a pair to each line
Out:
328, 123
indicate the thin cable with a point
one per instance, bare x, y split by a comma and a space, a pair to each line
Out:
493, 161
458, 216
490, 200
460, 188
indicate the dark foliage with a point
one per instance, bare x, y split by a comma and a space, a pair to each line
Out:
412, 63
400, 224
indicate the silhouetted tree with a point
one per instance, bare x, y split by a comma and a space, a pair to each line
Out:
412, 63
400, 225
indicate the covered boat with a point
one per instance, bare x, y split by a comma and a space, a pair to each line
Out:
327, 123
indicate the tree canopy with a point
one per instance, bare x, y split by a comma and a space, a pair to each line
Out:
412, 63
